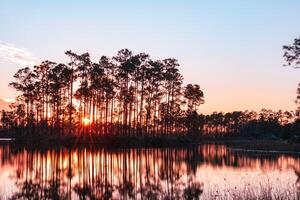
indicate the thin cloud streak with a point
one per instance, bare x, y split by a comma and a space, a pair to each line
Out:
17, 55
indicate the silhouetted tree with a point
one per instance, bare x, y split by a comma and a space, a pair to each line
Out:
292, 53
194, 96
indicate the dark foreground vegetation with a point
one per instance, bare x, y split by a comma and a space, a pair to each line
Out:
130, 99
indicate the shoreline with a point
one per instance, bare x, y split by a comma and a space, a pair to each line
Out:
234, 143
265, 146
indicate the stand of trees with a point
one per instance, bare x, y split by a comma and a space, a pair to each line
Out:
132, 95
129, 94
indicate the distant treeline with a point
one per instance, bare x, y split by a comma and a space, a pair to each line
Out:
263, 124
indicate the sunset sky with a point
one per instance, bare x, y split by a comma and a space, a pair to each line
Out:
232, 49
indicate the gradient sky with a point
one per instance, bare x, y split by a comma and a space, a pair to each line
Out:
232, 49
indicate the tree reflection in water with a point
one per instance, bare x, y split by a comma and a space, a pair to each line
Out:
81, 173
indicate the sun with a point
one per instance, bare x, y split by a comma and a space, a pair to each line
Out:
86, 121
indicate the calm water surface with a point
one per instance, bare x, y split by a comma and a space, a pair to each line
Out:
159, 173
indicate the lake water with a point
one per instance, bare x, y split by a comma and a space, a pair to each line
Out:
207, 171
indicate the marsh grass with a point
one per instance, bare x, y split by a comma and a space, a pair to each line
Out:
262, 192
